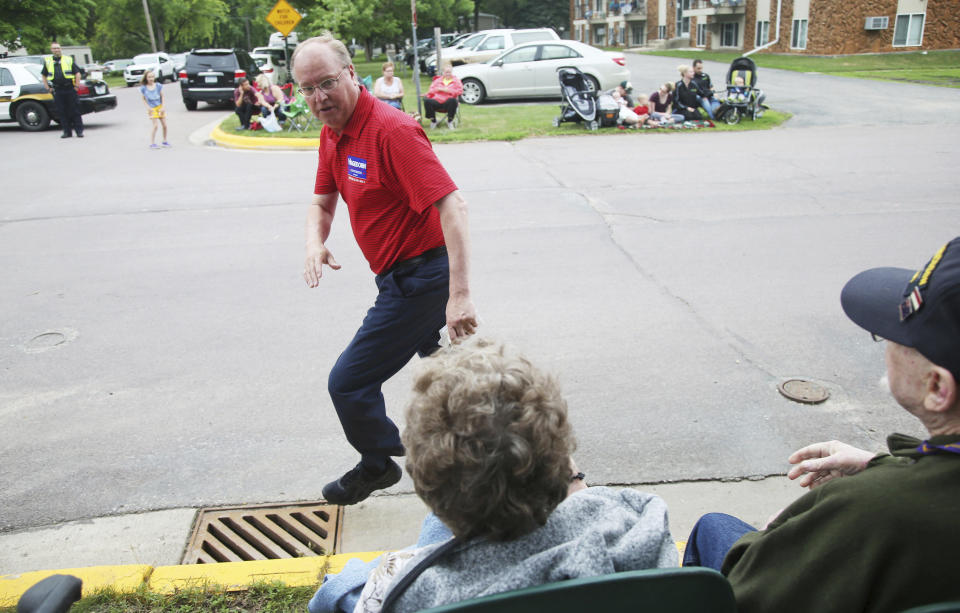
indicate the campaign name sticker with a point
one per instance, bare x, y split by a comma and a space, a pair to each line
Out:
356, 167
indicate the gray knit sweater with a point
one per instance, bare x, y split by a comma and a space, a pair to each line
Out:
593, 532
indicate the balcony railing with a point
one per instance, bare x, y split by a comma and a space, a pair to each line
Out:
716, 4
627, 7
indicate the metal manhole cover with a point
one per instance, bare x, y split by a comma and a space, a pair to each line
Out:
50, 339
265, 532
803, 391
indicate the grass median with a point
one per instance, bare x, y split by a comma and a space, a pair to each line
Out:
499, 121
940, 68
258, 598
514, 122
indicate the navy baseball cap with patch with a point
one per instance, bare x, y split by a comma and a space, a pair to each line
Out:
919, 309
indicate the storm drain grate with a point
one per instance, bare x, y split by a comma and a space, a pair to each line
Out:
264, 532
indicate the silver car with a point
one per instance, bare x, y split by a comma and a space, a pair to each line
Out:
530, 71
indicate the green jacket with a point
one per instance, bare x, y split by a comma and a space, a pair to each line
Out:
885, 539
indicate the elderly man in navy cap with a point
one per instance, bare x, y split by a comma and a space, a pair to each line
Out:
877, 532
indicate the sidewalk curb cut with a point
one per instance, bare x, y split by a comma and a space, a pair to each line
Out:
234, 576
237, 141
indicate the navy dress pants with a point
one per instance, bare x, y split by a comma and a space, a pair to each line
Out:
405, 320
68, 109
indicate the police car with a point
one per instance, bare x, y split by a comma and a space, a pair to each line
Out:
23, 98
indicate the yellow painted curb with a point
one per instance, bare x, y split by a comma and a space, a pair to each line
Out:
236, 575
681, 547
336, 563
121, 578
238, 141
239, 575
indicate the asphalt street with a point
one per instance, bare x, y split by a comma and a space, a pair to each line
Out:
159, 348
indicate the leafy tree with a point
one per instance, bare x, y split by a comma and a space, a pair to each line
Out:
525, 13
120, 28
367, 21
34, 23
542, 14
379, 21
246, 25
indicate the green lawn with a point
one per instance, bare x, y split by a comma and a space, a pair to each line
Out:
504, 122
115, 81
929, 68
514, 122
259, 598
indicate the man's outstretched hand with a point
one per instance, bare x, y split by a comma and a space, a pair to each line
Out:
818, 463
317, 256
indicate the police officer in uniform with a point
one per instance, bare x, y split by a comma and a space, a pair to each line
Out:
65, 76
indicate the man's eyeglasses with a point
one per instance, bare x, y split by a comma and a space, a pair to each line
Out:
326, 86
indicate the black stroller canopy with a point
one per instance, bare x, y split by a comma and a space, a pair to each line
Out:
744, 67
578, 101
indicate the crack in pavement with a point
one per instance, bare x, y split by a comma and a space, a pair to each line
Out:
205, 209
597, 205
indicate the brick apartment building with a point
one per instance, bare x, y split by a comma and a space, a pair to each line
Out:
816, 27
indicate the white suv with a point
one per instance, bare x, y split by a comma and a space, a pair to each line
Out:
159, 63
487, 44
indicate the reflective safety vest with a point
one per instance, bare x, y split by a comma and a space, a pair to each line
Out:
66, 64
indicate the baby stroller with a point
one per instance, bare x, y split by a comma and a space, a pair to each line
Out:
743, 100
579, 103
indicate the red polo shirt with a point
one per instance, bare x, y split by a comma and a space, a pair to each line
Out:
384, 168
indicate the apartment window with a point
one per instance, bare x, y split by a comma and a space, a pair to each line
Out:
701, 35
730, 35
599, 35
638, 34
798, 40
763, 33
683, 23
661, 32
909, 31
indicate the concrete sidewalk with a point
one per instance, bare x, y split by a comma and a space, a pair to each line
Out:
126, 551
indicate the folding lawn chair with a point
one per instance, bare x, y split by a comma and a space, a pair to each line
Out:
299, 117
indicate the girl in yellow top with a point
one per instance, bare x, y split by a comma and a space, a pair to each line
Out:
153, 98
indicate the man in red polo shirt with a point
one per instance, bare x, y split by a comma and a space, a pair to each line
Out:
411, 224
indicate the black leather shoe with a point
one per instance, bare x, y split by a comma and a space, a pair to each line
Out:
359, 483
66, 136
79, 134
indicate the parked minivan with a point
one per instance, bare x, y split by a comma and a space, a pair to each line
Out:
487, 44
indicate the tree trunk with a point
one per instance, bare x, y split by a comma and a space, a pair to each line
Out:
368, 49
476, 15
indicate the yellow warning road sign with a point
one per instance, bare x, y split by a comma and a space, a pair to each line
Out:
283, 17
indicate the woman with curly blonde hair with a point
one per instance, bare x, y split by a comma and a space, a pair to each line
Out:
488, 442
488, 446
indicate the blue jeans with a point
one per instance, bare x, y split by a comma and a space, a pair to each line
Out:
677, 117
394, 103
709, 105
711, 538
405, 320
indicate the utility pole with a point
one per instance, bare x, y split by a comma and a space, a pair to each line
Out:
146, 13
416, 59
